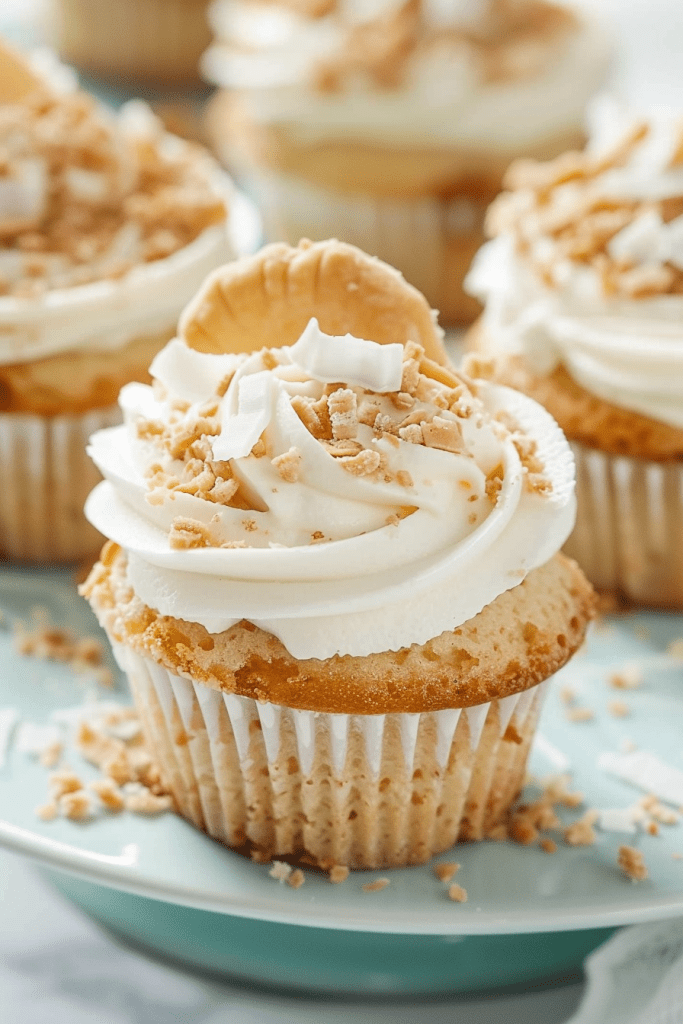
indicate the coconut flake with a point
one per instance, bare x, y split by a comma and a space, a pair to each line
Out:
8, 719
240, 432
189, 374
331, 358
647, 772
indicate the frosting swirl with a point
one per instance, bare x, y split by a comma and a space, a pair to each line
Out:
587, 268
349, 498
97, 209
490, 75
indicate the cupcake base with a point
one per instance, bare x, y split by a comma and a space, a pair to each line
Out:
365, 791
628, 537
46, 477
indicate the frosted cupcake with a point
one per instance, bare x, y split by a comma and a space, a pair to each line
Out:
583, 288
107, 227
333, 577
391, 124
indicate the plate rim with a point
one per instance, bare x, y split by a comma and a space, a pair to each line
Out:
116, 872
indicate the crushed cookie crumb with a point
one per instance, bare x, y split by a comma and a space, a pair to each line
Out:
363, 464
343, 411
548, 845
296, 879
403, 478
62, 782
619, 709
109, 793
376, 886
146, 802
411, 433
579, 715
457, 893
338, 873
186, 533
288, 465
581, 832
629, 677
632, 863
47, 812
76, 805
280, 870
446, 871
443, 434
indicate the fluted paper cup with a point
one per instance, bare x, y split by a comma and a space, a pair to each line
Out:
628, 537
46, 477
364, 791
431, 241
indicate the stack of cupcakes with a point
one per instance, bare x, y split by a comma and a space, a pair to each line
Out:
107, 227
583, 286
333, 577
390, 124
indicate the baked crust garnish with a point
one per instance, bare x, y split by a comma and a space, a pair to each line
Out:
270, 297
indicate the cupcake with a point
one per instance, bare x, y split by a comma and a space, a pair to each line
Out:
107, 227
583, 286
391, 124
146, 42
333, 578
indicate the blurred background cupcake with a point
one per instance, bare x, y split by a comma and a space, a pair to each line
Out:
583, 286
107, 226
390, 125
157, 42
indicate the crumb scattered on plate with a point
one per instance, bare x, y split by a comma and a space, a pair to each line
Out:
376, 886
457, 893
632, 863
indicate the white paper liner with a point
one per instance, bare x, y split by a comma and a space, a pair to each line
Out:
46, 477
360, 790
431, 241
628, 537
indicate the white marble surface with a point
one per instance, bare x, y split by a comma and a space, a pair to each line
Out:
57, 967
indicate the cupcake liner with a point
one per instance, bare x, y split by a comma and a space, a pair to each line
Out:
431, 241
628, 537
361, 790
46, 477
146, 40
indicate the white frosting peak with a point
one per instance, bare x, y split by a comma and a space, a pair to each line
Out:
355, 542
622, 344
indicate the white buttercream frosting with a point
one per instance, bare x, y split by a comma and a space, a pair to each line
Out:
109, 224
446, 96
329, 557
617, 334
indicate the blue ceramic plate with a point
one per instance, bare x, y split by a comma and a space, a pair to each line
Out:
512, 889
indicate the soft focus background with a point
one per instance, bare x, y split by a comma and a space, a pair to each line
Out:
58, 968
